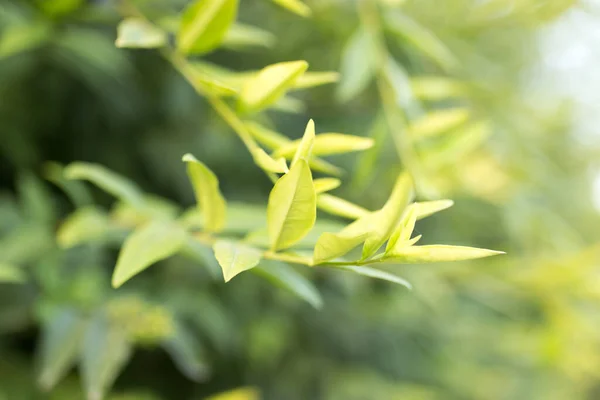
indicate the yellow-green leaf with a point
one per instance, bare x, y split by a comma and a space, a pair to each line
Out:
211, 82
246, 393
311, 79
438, 122
305, 145
84, 224
437, 253
266, 87
326, 144
145, 246
403, 230
323, 185
235, 257
204, 25
139, 33
377, 274
292, 209
436, 88
427, 208
340, 207
11, 274
358, 65
268, 163
334, 245
242, 35
295, 6
209, 197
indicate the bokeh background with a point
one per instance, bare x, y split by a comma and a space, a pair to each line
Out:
521, 326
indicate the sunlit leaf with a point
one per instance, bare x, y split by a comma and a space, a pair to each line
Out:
204, 25
286, 277
403, 231
145, 246
326, 144
427, 208
187, 353
340, 207
304, 148
437, 253
291, 211
61, 339
83, 225
211, 82
246, 393
139, 33
334, 245
435, 88
107, 180
20, 38
295, 6
235, 258
438, 122
11, 273
242, 35
209, 197
323, 185
376, 273
358, 65
105, 352
268, 163
311, 79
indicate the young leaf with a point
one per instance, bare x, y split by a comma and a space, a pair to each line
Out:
340, 207
11, 274
426, 208
295, 6
235, 257
292, 208
59, 347
385, 219
84, 224
209, 197
437, 253
311, 79
326, 144
268, 163
187, 354
377, 274
334, 245
286, 277
139, 33
304, 148
211, 82
266, 87
323, 185
105, 352
204, 25
438, 122
403, 230
358, 65
145, 246
107, 180
242, 35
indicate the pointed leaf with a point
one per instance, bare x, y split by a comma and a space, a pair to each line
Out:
106, 180
145, 246
187, 353
139, 33
304, 148
209, 197
340, 207
403, 230
334, 245
286, 277
358, 65
211, 82
326, 144
295, 6
377, 274
204, 25
311, 79
438, 122
292, 208
242, 35
437, 253
83, 225
61, 339
11, 274
426, 208
268, 163
270, 84
323, 185
235, 257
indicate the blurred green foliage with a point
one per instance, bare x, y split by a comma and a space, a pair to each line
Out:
437, 85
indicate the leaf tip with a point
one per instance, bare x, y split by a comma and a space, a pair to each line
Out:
188, 157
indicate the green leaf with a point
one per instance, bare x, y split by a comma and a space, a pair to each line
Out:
358, 65
311, 79
36, 200
235, 257
139, 33
295, 6
211, 82
286, 277
202, 253
268, 163
436, 88
304, 148
187, 353
20, 38
377, 274
246, 393
11, 273
209, 197
77, 191
403, 230
204, 25
384, 221
326, 144
145, 246
323, 185
421, 38
84, 225
242, 35
292, 208
106, 180
438, 122
340, 207
105, 352
266, 87
426, 208
400, 82
61, 339
289, 104
334, 245
437, 253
